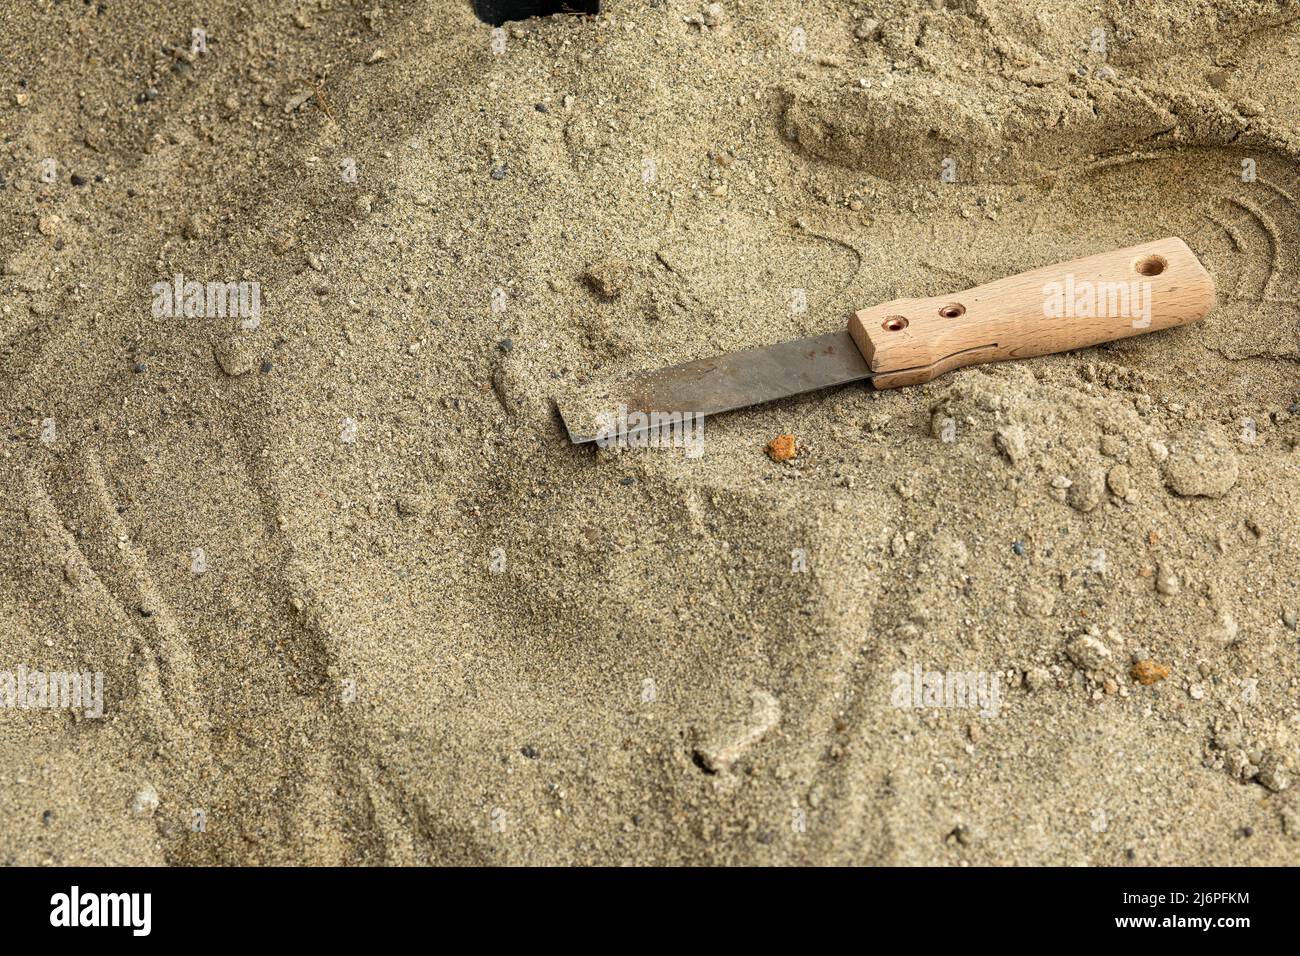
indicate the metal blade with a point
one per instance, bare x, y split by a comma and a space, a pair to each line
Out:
718, 384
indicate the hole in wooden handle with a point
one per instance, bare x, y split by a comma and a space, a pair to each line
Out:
895, 323
1150, 265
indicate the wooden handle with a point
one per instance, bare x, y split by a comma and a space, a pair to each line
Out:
1065, 306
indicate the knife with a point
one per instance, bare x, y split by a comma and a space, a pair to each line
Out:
1056, 308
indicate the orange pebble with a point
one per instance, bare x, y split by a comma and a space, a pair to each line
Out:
1148, 672
783, 448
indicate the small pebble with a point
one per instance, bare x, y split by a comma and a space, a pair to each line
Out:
1087, 653
1118, 481
235, 356
1148, 672
1272, 775
725, 744
783, 448
1087, 489
145, 802
1167, 581
867, 28
1011, 442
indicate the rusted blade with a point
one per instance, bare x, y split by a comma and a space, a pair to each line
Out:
718, 384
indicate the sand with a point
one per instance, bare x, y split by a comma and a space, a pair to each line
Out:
354, 597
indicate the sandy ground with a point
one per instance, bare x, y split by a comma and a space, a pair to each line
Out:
354, 597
